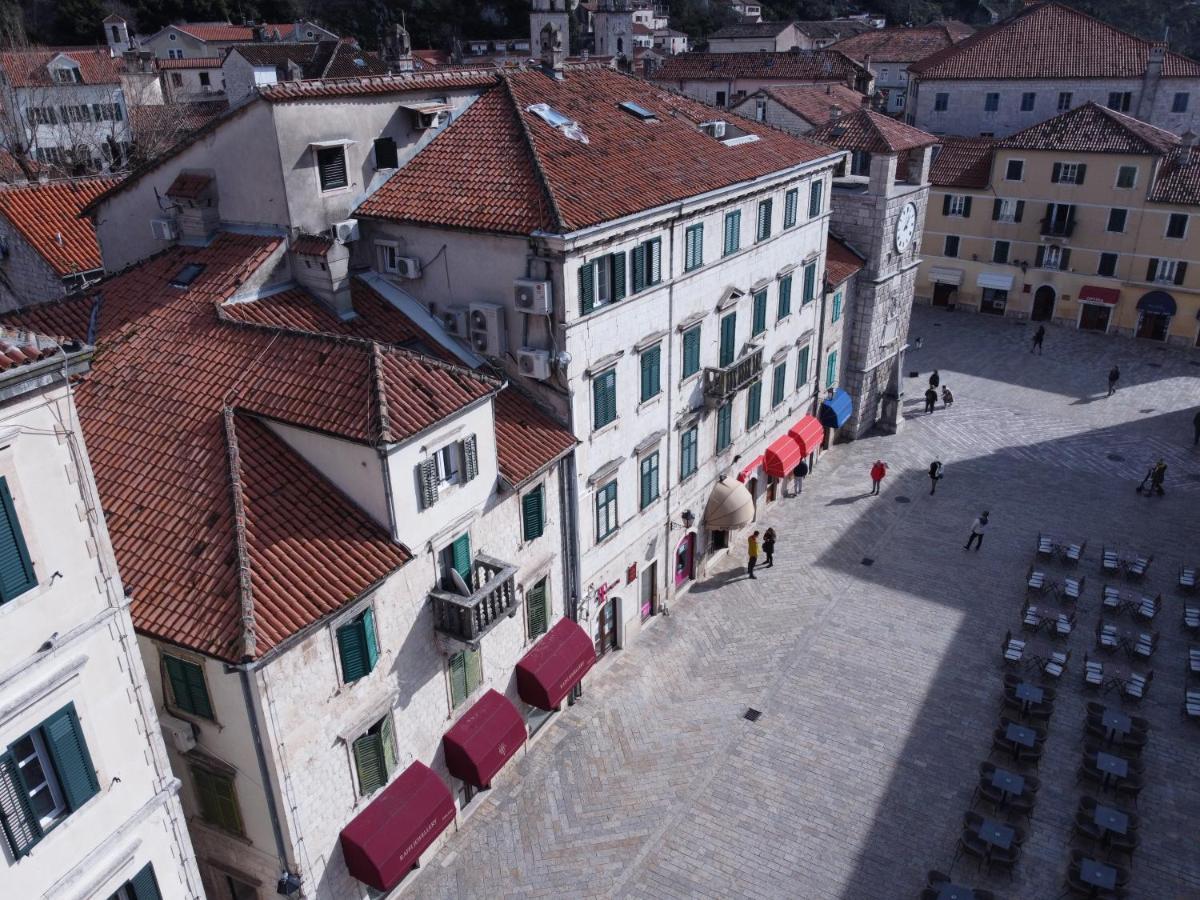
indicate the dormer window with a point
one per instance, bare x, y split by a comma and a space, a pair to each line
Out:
67, 75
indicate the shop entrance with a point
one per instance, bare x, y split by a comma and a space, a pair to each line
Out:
1094, 317
606, 626
1043, 304
685, 560
649, 590
1153, 326
943, 294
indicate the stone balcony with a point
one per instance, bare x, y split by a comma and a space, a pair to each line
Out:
493, 596
721, 384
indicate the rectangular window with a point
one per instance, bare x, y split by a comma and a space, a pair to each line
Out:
802, 368
1008, 210
649, 480
941, 102
831, 370
762, 230
651, 378
176, 79
728, 339
1120, 100
375, 751
951, 247
647, 264
753, 404
1051, 257
860, 162
724, 426
1064, 100
386, 156
1060, 219
688, 461
816, 198
217, 798
835, 308
733, 232
810, 283
1015, 170
205, 81
448, 464
791, 202
1166, 271
785, 297
466, 674
189, 693
1179, 103
759, 322
1116, 221
778, 384
691, 351
958, 205
16, 568
1000, 252
693, 243
606, 510
991, 102
1108, 265
331, 168
1127, 176
456, 557
604, 398
1027, 100
1068, 173
143, 886
537, 602
533, 514
1177, 225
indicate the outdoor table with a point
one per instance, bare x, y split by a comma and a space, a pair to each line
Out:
1019, 734
1008, 782
1115, 721
1112, 765
955, 892
1029, 694
1097, 874
996, 834
1111, 819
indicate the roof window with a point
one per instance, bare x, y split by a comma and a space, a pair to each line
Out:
185, 276
571, 129
636, 109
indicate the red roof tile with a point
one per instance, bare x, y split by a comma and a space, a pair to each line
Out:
194, 62
28, 68
47, 217
189, 185
871, 132
1049, 40
899, 44
216, 31
501, 167
840, 261
963, 162
801, 65
380, 84
1178, 179
1093, 129
312, 244
528, 439
816, 103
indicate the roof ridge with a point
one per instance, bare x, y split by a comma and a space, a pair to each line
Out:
245, 583
543, 181
383, 431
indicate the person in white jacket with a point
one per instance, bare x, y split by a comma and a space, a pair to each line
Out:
978, 527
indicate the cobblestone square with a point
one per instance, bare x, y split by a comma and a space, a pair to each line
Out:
880, 684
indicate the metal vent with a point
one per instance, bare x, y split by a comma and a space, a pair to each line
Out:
867, 561
752, 714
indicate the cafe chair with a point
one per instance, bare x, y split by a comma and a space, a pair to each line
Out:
1086, 828
1143, 647
1072, 588
1108, 638
1191, 703
1191, 618
1004, 860
1187, 579
1064, 625
1111, 597
1137, 686
1036, 581
1056, 664
1046, 545
1073, 553
1031, 618
1136, 570
1129, 787
1093, 672
1110, 561
1012, 649
1148, 607
1123, 843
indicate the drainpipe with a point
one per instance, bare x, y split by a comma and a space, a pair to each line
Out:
568, 500
821, 348
668, 551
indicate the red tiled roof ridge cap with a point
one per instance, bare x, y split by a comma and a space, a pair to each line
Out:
249, 634
543, 182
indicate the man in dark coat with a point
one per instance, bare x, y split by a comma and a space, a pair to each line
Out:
930, 399
1114, 375
935, 475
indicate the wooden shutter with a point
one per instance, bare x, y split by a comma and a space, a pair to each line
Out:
1020, 211
650, 372
218, 804
1056, 173
1064, 259
370, 637
1080, 173
1180, 271
16, 569
531, 513
996, 206
1151, 269
789, 208
728, 336
760, 312
785, 296
764, 219
654, 261
966, 207
1041, 256
535, 599
143, 885
428, 478
387, 742
587, 288
777, 389
331, 165
21, 829
352, 648
810, 282
691, 351
76, 774
188, 687
460, 553
368, 760
470, 451
946, 199
474, 670
639, 267
458, 678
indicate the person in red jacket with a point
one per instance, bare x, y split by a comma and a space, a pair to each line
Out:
878, 471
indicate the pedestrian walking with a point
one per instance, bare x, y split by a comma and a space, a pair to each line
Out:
798, 474
935, 475
947, 397
768, 546
1038, 337
978, 527
1196, 429
918, 345
878, 473
930, 399
752, 554
1157, 475
935, 379
1114, 375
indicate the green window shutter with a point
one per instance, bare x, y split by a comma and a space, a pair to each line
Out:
371, 637
460, 551
352, 648
16, 569
764, 220
368, 760
831, 370
428, 478
802, 368
733, 231
387, 742
651, 366
21, 829
470, 451
458, 678
180, 689
617, 275
694, 247
785, 296
753, 404
777, 389
76, 774
538, 614
198, 690
760, 312
790, 201
724, 426
187, 685
604, 398
587, 288
810, 282
815, 197
639, 267
691, 351
728, 338
143, 885
687, 453
474, 670
531, 514
218, 802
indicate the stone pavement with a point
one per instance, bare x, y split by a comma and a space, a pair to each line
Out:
879, 684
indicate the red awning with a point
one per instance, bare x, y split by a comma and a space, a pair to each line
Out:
750, 468
1091, 294
557, 662
484, 739
384, 841
808, 433
782, 456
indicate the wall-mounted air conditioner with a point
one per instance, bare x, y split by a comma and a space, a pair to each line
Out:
163, 229
455, 321
534, 363
180, 733
408, 267
345, 231
487, 328
532, 296
424, 120
713, 129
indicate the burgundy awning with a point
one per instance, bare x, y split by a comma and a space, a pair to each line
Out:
1089, 293
750, 468
484, 739
808, 433
782, 456
384, 841
557, 662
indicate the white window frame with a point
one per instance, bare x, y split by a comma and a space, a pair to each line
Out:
1009, 163
1008, 211
958, 205
387, 254
49, 781
1164, 271
174, 52
449, 462
1108, 221
1070, 169
1187, 221
1052, 258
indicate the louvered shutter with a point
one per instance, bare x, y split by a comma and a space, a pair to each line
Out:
370, 638
785, 296
368, 760
387, 742
331, 165
654, 261
639, 267
474, 670
64, 739
810, 282
1020, 211
728, 334
531, 514
352, 648
966, 207
1180, 271
691, 351
144, 885
651, 381
996, 206
789, 208
470, 451
1041, 256
458, 678
616, 272
536, 600
1056, 173
1080, 173
21, 829
1151, 269
587, 288
946, 198
180, 686
460, 552
428, 477
760, 312
16, 570
1064, 259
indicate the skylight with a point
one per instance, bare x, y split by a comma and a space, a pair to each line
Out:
637, 109
570, 129
185, 276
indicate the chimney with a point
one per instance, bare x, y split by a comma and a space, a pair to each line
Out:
260, 34
552, 54
194, 195
397, 49
322, 265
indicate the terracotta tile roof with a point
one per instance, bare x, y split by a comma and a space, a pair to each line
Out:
963, 162
312, 244
528, 439
20, 348
814, 103
28, 68
900, 44
47, 217
194, 62
1178, 179
169, 366
871, 132
381, 84
216, 31
189, 185
501, 167
17, 169
349, 61
802, 65
321, 59
1049, 40
173, 122
840, 261
1093, 129
834, 28
750, 30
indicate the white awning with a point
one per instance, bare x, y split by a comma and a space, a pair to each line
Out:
729, 505
940, 275
337, 142
995, 281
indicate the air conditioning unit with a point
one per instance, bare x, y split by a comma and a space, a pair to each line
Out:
345, 231
455, 322
424, 120
163, 229
181, 734
408, 267
713, 129
487, 328
534, 363
533, 297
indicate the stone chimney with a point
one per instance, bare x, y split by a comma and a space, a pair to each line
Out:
197, 213
322, 265
397, 49
553, 55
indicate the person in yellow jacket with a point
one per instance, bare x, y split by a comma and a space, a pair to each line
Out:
752, 553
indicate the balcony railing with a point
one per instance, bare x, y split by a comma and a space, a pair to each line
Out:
720, 384
493, 597
1060, 228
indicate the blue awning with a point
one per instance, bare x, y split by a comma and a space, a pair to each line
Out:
1158, 303
836, 410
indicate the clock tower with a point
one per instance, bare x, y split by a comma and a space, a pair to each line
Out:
878, 208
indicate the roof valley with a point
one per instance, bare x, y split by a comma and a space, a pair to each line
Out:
249, 636
535, 157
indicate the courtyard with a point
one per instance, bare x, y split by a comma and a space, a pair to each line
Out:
873, 650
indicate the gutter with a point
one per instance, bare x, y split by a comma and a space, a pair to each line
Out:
264, 771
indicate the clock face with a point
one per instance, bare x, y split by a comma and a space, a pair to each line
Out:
906, 226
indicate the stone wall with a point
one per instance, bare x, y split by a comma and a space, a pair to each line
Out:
25, 276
